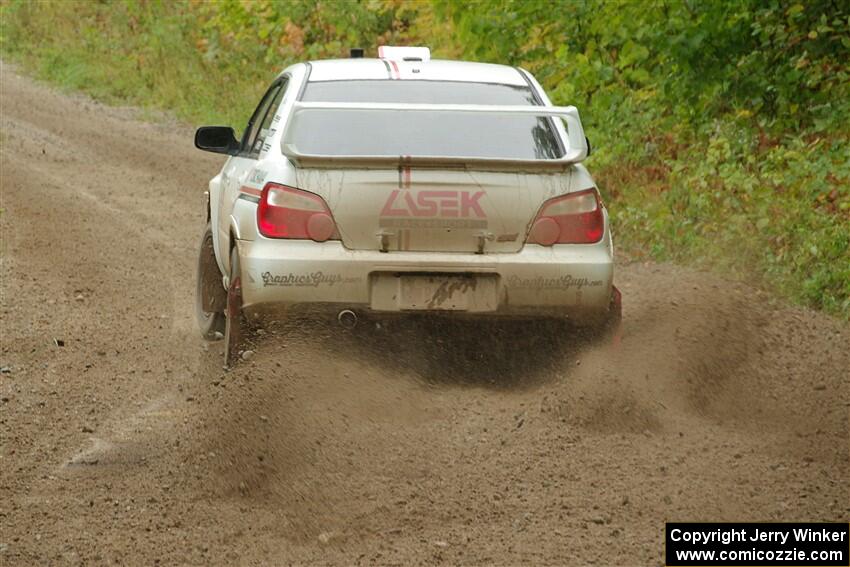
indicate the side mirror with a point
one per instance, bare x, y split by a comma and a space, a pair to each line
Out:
588, 145
217, 139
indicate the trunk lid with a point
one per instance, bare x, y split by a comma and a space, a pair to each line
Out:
433, 209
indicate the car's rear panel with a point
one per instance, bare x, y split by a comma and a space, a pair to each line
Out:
536, 281
390, 258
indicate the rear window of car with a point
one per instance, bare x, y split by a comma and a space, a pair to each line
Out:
423, 133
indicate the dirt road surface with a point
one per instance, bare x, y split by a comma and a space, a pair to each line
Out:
123, 441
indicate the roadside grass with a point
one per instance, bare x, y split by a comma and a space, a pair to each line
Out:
143, 54
779, 220
733, 189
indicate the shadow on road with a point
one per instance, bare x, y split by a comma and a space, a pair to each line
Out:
503, 354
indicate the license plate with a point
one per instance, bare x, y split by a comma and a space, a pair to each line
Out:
448, 292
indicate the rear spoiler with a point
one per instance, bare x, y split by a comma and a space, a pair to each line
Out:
576, 152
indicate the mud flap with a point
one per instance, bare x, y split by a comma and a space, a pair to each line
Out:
213, 294
615, 317
234, 326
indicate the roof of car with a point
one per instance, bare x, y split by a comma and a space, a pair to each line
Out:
433, 70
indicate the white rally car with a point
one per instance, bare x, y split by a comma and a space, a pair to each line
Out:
404, 184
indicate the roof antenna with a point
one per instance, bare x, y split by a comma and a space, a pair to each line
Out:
356, 53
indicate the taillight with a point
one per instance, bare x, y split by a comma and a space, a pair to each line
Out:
575, 218
286, 212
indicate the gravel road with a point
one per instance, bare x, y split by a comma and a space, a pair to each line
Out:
123, 441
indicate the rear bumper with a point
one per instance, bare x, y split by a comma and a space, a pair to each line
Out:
538, 281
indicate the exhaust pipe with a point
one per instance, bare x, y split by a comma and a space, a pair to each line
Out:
347, 318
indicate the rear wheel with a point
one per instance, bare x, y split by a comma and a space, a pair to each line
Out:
210, 295
606, 327
235, 323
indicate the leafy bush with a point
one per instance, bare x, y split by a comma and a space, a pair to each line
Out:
720, 128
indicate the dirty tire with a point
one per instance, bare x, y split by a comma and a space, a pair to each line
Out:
235, 323
210, 295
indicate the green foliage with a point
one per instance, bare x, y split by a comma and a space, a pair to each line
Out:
720, 128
